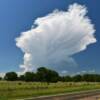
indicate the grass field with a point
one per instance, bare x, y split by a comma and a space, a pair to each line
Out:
18, 90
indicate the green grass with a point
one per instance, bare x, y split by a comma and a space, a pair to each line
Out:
18, 90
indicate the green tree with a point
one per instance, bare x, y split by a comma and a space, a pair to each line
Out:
66, 79
77, 78
29, 76
47, 75
91, 78
41, 74
52, 76
21, 78
10, 76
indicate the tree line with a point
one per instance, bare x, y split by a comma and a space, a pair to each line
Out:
47, 75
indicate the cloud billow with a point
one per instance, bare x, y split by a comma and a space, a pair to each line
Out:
56, 37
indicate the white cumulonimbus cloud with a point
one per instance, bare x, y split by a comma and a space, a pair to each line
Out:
55, 38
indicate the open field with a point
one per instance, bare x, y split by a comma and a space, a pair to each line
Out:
18, 90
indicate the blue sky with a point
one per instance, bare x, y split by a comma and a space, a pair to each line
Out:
17, 16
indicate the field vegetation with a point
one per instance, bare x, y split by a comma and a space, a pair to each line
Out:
44, 82
17, 90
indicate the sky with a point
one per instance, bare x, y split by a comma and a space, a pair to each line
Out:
17, 16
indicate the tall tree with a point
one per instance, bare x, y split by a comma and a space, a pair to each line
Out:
47, 75
29, 76
10, 76
77, 78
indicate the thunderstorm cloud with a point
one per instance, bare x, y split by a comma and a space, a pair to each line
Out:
55, 38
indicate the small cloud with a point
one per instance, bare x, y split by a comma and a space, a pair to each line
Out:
78, 73
2, 75
64, 71
92, 71
83, 72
